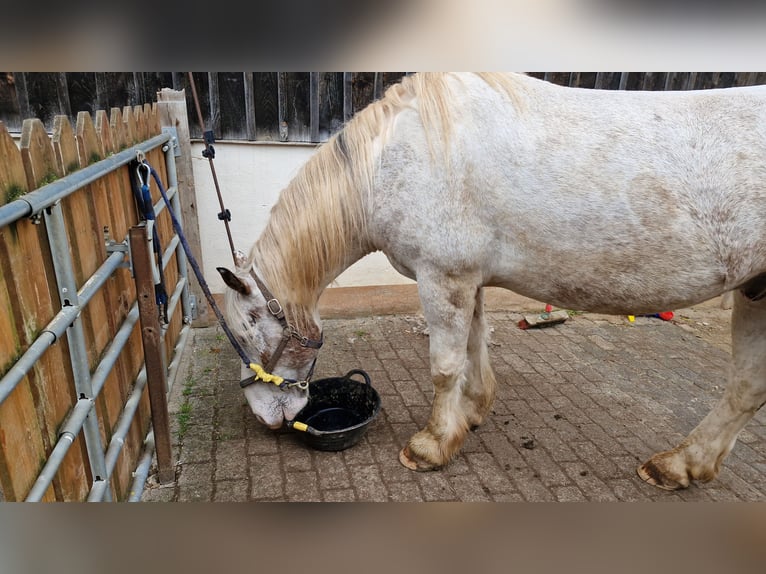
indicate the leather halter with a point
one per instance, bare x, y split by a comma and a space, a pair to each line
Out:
288, 332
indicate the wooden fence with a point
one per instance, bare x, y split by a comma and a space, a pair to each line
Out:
32, 415
277, 106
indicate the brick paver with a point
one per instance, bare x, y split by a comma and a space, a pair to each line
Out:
578, 407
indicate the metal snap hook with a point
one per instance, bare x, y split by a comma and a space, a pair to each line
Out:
143, 180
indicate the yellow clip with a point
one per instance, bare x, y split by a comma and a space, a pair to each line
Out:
264, 376
300, 426
631, 318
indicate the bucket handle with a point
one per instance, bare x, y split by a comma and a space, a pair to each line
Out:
353, 372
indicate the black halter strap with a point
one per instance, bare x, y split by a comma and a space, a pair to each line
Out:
288, 331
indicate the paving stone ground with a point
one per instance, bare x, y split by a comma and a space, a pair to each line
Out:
579, 406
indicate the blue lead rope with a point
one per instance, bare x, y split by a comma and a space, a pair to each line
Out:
197, 271
146, 206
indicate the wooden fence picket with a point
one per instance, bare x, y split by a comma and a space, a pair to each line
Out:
32, 415
22, 440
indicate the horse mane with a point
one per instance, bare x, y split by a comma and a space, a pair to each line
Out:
318, 223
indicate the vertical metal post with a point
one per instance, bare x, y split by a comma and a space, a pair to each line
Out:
151, 337
170, 164
67, 286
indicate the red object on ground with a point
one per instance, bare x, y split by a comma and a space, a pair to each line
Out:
665, 315
548, 308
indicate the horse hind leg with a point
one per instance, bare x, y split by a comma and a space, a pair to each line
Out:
699, 456
479, 387
448, 305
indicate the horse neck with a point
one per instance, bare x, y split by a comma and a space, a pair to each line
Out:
301, 251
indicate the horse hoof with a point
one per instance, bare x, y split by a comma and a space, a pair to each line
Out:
651, 474
406, 458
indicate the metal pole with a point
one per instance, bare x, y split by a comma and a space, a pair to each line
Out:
35, 201
67, 286
151, 334
170, 163
142, 471
57, 326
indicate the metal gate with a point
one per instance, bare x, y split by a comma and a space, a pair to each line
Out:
87, 361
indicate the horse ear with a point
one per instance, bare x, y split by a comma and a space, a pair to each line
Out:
233, 281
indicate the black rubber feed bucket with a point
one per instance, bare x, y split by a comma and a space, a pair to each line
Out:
338, 412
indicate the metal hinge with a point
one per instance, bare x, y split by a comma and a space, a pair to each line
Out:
173, 141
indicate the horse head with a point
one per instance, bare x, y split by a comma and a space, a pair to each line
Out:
268, 339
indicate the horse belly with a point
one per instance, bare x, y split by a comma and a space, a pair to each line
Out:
599, 282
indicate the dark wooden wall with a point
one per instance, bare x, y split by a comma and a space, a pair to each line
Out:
274, 106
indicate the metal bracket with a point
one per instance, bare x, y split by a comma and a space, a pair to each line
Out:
113, 246
193, 306
173, 141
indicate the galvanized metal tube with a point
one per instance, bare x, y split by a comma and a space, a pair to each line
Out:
58, 326
142, 470
160, 205
67, 436
117, 441
43, 342
126, 418
113, 351
39, 199
65, 280
13, 211
170, 164
76, 419
99, 277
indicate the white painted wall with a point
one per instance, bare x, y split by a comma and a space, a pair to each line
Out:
251, 176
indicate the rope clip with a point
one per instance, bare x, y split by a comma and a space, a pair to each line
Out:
143, 180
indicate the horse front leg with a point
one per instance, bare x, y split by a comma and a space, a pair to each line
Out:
699, 456
448, 305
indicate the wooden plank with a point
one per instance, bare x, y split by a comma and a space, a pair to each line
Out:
363, 85
607, 81
706, 80
119, 90
266, 98
117, 126
314, 106
676, 81
83, 96
153, 82
249, 90
582, 79
54, 384
348, 96
64, 146
21, 438
560, 78
152, 119
296, 111
104, 134
632, 80
232, 107
129, 122
201, 84
141, 123
43, 96
653, 81
13, 180
10, 113
330, 104
37, 154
